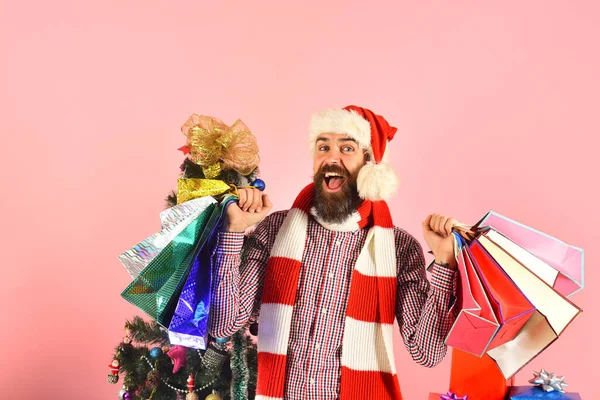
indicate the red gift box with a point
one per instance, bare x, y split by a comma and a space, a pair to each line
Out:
479, 378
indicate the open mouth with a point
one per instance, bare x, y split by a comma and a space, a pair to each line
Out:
333, 182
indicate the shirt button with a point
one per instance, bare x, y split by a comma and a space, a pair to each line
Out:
324, 311
312, 381
317, 346
331, 275
337, 242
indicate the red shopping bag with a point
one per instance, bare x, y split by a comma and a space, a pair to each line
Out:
476, 324
511, 307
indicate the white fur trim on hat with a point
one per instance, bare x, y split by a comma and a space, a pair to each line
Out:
377, 181
340, 121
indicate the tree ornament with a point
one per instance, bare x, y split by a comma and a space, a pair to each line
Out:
127, 340
191, 383
179, 356
113, 377
191, 386
213, 396
259, 184
214, 356
153, 379
254, 329
156, 352
124, 393
222, 340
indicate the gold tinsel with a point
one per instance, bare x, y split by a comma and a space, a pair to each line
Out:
193, 188
215, 146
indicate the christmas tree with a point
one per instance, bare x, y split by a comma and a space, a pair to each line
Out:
153, 364
155, 369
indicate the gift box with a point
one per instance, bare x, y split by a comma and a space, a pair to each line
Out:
530, 393
477, 377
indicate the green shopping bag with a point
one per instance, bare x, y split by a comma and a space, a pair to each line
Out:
157, 288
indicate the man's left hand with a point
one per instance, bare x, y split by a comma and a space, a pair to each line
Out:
437, 231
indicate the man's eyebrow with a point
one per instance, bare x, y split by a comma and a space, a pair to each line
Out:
324, 139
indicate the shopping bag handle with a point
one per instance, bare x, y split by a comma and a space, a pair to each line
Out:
228, 200
465, 231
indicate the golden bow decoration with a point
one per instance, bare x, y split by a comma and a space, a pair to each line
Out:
215, 146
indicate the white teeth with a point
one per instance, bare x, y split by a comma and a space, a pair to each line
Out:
331, 174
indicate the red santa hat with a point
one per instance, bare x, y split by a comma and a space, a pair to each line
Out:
377, 179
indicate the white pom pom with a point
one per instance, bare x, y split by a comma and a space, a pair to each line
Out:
377, 182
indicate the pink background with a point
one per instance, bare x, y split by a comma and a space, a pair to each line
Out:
496, 105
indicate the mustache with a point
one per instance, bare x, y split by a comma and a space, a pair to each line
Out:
336, 169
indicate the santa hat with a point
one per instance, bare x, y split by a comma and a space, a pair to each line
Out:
377, 179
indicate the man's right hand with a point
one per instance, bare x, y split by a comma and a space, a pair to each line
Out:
252, 207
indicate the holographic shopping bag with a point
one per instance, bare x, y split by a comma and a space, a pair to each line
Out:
173, 221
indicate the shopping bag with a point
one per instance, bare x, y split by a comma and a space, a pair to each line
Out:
476, 324
566, 260
173, 221
554, 312
188, 326
156, 289
511, 308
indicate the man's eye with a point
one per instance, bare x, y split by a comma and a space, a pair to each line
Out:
348, 148
323, 148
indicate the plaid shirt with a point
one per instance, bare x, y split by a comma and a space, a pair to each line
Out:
424, 311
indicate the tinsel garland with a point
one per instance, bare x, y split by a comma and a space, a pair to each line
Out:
239, 367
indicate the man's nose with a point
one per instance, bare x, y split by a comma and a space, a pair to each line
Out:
333, 157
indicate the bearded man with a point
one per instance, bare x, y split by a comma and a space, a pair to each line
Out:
329, 276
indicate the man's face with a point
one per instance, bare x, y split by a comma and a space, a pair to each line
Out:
338, 159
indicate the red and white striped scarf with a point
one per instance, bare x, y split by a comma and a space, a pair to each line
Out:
368, 368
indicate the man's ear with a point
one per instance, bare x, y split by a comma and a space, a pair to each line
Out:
367, 155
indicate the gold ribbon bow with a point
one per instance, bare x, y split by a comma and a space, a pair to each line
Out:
215, 146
